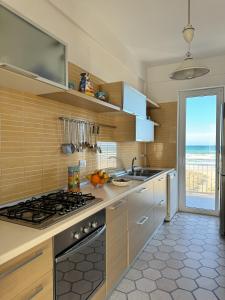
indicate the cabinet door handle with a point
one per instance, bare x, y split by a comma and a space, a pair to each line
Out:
142, 221
20, 265
142, 190
117, 205
36, 291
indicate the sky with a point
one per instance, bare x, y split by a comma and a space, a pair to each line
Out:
201, 120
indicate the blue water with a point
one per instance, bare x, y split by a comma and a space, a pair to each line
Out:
201, 149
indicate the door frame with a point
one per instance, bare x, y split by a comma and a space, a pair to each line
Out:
181, 140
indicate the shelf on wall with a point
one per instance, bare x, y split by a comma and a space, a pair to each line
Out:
19, 82
152, 104
79, 99
156, 124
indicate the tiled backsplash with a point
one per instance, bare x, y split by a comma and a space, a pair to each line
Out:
31, 161
162, 153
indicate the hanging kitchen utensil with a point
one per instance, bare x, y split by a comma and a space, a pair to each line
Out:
98, 147
71, 128
66, 146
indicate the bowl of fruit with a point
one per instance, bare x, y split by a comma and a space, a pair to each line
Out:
121, 182
98, 178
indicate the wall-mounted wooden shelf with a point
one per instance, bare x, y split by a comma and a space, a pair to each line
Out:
79, 99
152, 104
15, 81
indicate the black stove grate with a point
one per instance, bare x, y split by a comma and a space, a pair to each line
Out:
38, 210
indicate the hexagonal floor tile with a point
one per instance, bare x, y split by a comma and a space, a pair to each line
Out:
159, 295
182, 295
138, 295
221, 281
220, 293
157, 264
194, 255
152, 274
145, 285
165, 284
133, 274
175, 264
206, 283
186, 284
140, 265
93, 275
166, 248
126, 286
192, 263
171, 273
178, 255
161, 255
201, 294
209, 263
208, 272
189, 273
145, 256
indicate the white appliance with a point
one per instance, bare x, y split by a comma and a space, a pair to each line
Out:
172, 195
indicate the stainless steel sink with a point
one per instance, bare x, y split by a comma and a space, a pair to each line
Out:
140, 174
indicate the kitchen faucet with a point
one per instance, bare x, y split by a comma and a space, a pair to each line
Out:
132, 164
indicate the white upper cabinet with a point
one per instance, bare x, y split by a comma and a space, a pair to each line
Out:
126, 97
134, 102
144, 130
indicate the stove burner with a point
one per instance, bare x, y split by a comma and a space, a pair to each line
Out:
49, 207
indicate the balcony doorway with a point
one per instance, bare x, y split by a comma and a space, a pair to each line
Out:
198, 144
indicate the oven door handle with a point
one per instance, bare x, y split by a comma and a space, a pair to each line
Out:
88, 240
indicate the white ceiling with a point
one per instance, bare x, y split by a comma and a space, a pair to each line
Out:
151, 29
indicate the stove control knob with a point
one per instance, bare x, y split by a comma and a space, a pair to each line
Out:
94, 224
86, 229
77, 235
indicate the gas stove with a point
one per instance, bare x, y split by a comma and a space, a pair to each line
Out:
48, 209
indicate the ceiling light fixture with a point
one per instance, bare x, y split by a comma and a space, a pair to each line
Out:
189, 68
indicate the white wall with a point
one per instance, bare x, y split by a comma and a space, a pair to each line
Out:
84, 48
163, 89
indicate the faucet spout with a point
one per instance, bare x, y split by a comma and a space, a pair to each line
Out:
132, 164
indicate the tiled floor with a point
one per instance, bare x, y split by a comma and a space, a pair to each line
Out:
184, 261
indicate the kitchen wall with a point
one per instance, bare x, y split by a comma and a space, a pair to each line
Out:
162, 152
31, 161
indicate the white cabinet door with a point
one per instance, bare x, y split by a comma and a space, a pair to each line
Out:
134, 102
144, 130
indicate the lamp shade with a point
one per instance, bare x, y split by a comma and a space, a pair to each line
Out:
189, 69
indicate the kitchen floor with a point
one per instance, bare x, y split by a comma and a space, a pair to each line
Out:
185, 260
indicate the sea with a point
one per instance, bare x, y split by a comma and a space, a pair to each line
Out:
201, 154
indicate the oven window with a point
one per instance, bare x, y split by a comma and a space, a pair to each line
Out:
82, 272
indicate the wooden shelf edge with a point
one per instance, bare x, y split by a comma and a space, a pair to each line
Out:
76, 98
152, 104
156, 124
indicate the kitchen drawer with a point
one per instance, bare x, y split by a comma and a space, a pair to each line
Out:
42, 289
21, 272
140, 232
139, 203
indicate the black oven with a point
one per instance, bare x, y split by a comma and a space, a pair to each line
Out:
80, 259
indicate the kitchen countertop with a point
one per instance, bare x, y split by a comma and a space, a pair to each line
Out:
16, 239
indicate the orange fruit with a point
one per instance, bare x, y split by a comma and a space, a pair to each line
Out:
95, 179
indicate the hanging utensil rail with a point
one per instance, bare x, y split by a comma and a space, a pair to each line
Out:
86, 122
